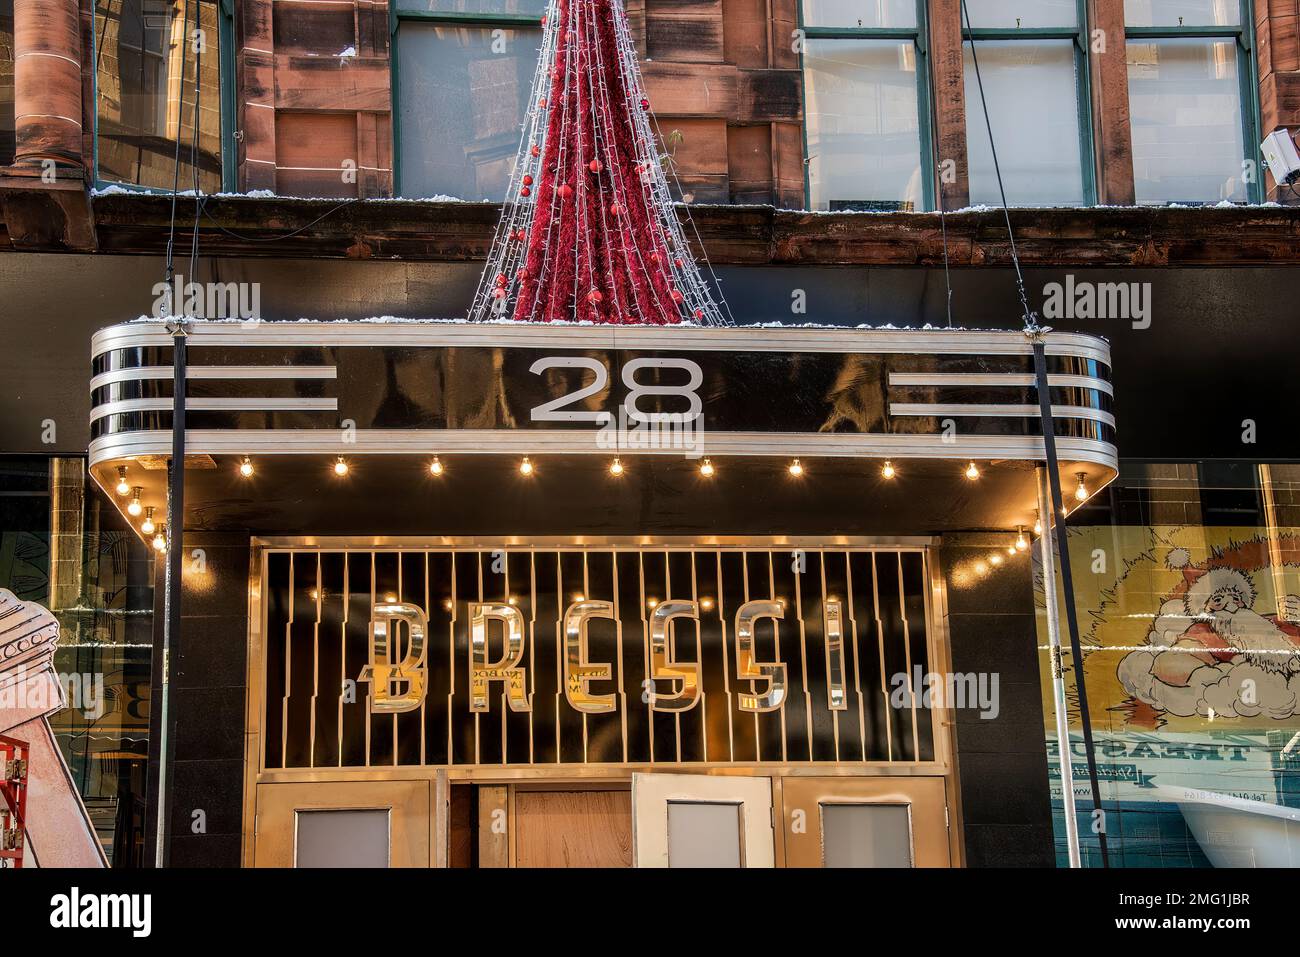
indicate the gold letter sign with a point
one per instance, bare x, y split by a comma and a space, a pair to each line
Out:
578, 671
773, 673
482, 674
662, 665
382, 674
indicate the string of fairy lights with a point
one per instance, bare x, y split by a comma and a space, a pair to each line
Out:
341, 468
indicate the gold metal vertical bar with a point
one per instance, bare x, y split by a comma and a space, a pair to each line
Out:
726, 662
776, 634
857, 655
424, 700
451, 664
1274, 534
645, 651
668, 593
343, 657
315, 671
370, 630
803, 650
907, 657
618, 638
532, 648
880, 643
289, 670
586, 593
398, 655
699, 660
505, 559
826, 642
558, 638
478, 567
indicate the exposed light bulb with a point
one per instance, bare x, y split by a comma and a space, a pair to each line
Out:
652, 603
135, 508
1021, 542
706, 468
995, 559
147, 526
706, 603
341, 467
616, 467
1012, 551
435, 467
160, 541
887, 470
981, 568
1081, 492
796, 469
123, 486
525, 467
1038, 525
972, 472
246, 467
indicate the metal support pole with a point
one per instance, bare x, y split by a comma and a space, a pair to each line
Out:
172, 599
1053, 519
1058, 675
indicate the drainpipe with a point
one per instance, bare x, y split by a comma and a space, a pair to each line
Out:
1054, 523
172, 600
1058, 673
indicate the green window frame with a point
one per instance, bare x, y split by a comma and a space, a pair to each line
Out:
1247, 70
919, 36
227, 95
1079, 34
447, 18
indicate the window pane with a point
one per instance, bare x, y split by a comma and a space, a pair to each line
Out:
342, 838
1185, 104
460, 106
866, 835
520, 7
703, 835
864, 143
859, 13
1023, 13
141, 46
1174, 13
1034, 108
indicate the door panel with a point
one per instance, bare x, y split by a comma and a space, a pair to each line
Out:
573, 828
293, 831
865, 822
685, 820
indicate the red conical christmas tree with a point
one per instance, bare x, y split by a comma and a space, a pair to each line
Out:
589, 232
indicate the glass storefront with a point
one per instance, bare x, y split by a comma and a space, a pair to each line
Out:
1186, 578
63, 546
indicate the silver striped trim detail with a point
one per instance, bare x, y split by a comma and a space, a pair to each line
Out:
579, 442
536, 336
1063, 380
215, 372
216, 405
990, 409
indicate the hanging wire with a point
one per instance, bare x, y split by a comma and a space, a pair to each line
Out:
169, 271
1030, 317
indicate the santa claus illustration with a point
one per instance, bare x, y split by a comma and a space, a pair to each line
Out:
1210, 652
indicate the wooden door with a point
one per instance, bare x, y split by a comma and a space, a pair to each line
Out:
572, 828
343, 824
865, 822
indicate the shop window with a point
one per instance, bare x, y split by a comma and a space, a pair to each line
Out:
1189, 75
6, 82
866, 835
865, 92
1033, 67
342, 837
463, 70
146, 55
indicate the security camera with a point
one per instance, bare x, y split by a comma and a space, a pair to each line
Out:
1283, 159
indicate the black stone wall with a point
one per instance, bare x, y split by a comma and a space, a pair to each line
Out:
1001, 762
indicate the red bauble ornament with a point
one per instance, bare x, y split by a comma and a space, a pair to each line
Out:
565, 191
677, 263
645, 104
616, 210
699, 313
501, 279
524, 191
594, 296
654, 258
519, 235
535, 150
677, 296
541, 104
528, 180
594, 166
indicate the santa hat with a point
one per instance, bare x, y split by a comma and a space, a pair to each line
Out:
1202, 583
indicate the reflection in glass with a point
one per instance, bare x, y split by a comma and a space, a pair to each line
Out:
859, 13
1179, 13
342, 838
140, 48
703, 834
1022, 13
866, 835
1185, 105
1034, 108
864, 144
459, 108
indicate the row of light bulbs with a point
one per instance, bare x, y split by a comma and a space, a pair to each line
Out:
707, 469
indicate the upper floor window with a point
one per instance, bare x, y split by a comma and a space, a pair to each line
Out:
7, 142
865, 93
145, 61
1033, 73
1189, 82
463, 70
